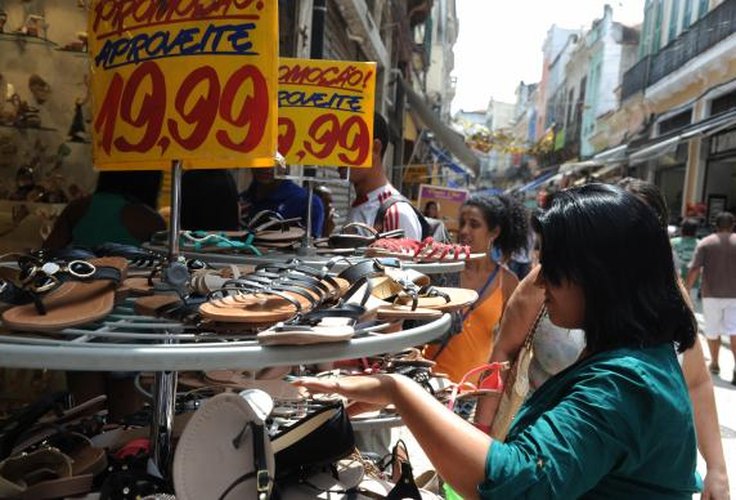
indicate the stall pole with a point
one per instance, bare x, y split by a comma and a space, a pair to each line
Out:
306, 247
175, 222
164, 386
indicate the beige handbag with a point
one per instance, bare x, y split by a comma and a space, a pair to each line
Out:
517, 385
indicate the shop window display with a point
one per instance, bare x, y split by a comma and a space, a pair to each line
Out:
45, 155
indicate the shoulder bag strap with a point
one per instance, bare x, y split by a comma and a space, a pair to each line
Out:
517, 384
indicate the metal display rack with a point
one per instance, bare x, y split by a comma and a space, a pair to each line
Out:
128, 342
314, 261
125, 341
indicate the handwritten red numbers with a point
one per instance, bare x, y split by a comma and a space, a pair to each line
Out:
287, 132
253, 111
108, 114
242, 102
202, 113
355, 137
324, 131
325, 134
152, 109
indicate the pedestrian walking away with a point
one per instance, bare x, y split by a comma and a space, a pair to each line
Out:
715, 257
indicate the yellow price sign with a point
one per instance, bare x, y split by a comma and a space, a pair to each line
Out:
191, 80
326, 112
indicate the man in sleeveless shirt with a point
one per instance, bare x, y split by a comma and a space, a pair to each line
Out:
715, 255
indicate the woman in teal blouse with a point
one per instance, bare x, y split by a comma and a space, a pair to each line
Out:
616, 424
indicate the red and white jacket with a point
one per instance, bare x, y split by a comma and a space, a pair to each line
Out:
399, 215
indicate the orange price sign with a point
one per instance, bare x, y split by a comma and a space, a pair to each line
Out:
326, 112
191, 80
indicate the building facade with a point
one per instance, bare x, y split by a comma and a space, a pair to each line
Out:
684, 89
556, 39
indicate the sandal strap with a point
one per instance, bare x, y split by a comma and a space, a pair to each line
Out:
296, 266
273, 219
432, 291
298, 289
352, 311
368, 268
294, 276
260, 463
303, 282
360, 225
13, 428
107, 273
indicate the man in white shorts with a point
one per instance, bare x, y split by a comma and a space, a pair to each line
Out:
716, 256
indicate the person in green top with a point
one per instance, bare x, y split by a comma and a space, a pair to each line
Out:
121, 210
617, 423
684, 246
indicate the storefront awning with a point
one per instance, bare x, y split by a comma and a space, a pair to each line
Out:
444, 134
536, 182
575, 166
612, 155
447, 161
654, 150
607, 171
667, 145
710, 126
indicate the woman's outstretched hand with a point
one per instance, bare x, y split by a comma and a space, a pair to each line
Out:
376, 389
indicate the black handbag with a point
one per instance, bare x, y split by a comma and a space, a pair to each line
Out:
321, 438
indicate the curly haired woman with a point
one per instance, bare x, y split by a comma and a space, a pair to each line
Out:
487, 224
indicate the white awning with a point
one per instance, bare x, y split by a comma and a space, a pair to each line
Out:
616, 154
606, 171
575, 166
655, 150
662, 146
444, 134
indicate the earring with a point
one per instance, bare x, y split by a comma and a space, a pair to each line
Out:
495, 254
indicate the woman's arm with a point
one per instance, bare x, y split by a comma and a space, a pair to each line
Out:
509, 283
456, 449
521, 311
700, 386
562, 455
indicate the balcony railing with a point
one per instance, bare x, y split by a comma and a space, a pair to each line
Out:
635, 79
715, 26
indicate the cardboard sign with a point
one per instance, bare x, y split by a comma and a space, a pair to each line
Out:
448, 202
326, 112
190, 80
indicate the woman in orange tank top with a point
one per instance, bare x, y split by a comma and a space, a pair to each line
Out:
490, 224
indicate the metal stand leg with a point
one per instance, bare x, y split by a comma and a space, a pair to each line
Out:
164, 400
175, 220
306, 247
164, 387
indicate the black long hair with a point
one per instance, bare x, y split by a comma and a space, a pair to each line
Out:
614, 246
509, 215
650, 194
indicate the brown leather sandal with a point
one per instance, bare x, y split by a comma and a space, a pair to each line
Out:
67, 294
42, 474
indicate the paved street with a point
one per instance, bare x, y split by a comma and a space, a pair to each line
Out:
726, 404
725, 401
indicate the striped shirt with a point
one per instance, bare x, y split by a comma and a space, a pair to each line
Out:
399, 215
